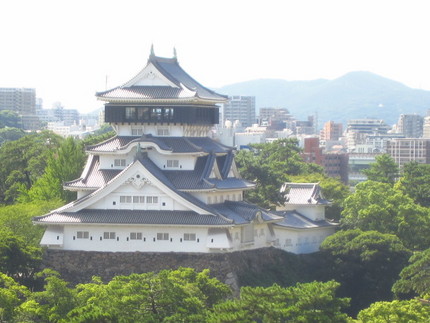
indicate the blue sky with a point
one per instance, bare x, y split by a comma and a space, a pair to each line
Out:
66, 49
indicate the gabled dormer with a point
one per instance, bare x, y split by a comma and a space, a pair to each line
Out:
305, 198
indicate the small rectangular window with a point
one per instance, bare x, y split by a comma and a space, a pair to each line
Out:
173, 163
163, 131
109, 235
82, 235
137, 132
152, 199
189, 237
125, 199
162, 236
119, 162
135, 235
135, 199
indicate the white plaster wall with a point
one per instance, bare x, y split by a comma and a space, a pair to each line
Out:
314, 212
112, 200
302, 241
174, 130
107, 161
149, 241
185, 162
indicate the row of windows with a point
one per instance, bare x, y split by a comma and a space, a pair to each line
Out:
149, 114
220, 199
171, 163
127, 199
160, 132
136, 236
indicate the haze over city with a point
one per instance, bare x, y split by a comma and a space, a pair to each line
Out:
69, 50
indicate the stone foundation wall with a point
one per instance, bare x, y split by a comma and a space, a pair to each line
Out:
79, 266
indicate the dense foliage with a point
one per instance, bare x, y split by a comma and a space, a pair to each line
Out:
181, 295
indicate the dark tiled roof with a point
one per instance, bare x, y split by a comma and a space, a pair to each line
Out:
186, 86
243, 212
173, 144
111, 144
293, 219
132, 217
94, 177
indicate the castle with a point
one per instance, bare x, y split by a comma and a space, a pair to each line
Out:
161, 184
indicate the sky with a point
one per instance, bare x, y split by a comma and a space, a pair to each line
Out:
69, 50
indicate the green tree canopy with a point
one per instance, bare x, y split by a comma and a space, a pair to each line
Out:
384, 170
415, 278
304, 302
182, 295
12, 295
10, 134
64, 165
365, 263
270, 165
396, 311
9, 118
384, 208
415, 182
23, 161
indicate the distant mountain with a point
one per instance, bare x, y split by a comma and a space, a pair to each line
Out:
352, 96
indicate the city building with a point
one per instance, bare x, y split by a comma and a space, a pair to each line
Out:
162, 185
410, 125
20, 100
426, 127
23, 102
405, 150
241, 108
331, 131
359, 129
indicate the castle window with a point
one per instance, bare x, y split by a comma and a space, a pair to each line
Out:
162, 236
109, 235
137, 132
125, 199
288, 242
135, 235
189, 237
163, 131
130, 113
173, 163
119, 162
152, 199
82, 235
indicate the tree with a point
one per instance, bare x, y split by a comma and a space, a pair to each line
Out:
18, 259
50, 305
9, 118
10, 134
365, 263
308, 302
269, 166
64, 165
384, 208
396, 311
23, 161
181, 295
415, 278
11, 296
384, 170
415, 182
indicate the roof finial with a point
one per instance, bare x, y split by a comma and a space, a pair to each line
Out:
152, 50
174, 53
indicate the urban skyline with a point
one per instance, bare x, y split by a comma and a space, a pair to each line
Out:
68, 51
